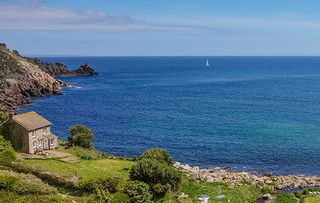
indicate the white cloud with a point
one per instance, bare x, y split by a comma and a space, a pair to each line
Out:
33, 15
42, 17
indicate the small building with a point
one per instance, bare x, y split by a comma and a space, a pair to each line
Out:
31, 133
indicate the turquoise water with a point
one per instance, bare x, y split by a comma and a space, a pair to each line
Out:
251, 113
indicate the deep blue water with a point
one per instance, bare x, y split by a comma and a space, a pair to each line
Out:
251, 113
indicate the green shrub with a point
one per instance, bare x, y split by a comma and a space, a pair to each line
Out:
158, 175
24, 183
81, 136
87, 187
137, 191
50, 178
7, 153
111, 185
101, 195
298, 194
285, 198
86, 154
157, 154
120, 197
160, 190
3, 116
7, 182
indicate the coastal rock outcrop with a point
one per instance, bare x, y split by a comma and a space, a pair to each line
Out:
22, 78
59, 69
250, 178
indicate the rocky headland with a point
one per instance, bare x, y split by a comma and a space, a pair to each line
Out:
22, 78
61, 70
274, 182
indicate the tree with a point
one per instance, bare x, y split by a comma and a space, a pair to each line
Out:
81, 136
158, 154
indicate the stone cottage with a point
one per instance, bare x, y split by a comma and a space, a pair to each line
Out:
32, 133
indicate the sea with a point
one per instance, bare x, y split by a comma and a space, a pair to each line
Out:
249, 113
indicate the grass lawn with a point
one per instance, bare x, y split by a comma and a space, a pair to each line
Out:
87, 169
311, 200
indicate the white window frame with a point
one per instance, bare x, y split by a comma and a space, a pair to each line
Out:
52, 141
34, 144
33, 133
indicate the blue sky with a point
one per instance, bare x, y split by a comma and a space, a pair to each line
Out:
161, 28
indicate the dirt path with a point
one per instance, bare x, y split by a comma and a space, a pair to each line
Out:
49, 154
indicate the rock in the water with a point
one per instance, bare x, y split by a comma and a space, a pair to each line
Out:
86, 69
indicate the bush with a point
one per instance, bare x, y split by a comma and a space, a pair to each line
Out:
111, 185
120, 197
7, 153
81, 136
101, 195
3, 116
50, 178
158, 175
86, 154
298, 194
7, 182
285, 198
137, 191
157, 154
24, 183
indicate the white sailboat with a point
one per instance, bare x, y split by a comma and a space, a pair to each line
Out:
207, 63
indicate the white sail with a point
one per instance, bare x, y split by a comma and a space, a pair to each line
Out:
207, 63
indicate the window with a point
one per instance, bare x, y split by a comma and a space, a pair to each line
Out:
45, 130
40, 142
52, 141
34, 144
33, 133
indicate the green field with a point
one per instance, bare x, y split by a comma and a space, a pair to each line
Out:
86, 169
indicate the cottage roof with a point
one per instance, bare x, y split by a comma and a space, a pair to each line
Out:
31, 120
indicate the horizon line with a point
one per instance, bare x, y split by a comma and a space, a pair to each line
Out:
58, 55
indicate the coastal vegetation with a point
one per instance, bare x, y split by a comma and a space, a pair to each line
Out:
81, 136
103, 178
76, 171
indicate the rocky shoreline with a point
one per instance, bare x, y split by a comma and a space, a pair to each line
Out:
273, 182
23, 78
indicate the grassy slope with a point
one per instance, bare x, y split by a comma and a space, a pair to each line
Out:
232, 193
311, 200
107, 167
90, 169
6, 196
87, 169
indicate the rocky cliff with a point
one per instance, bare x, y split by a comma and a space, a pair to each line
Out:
59, 69
22, 78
